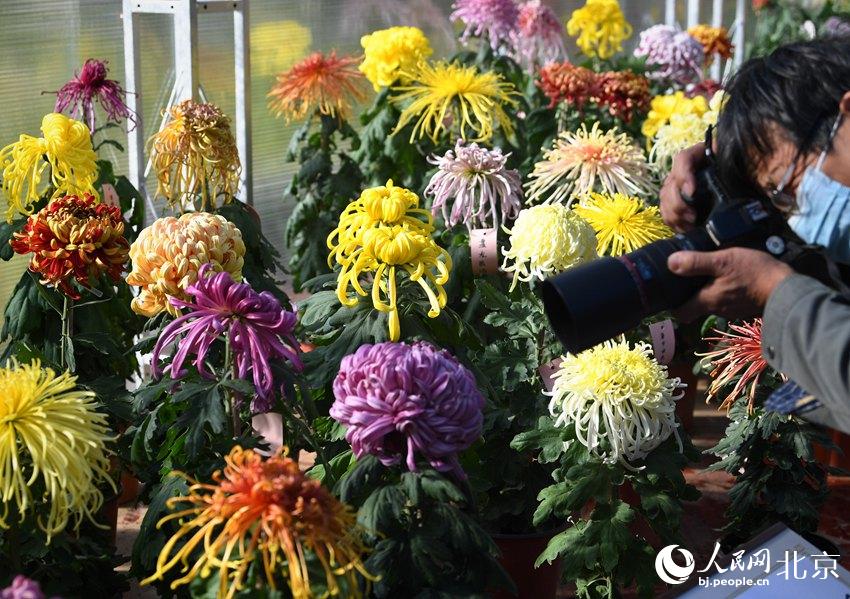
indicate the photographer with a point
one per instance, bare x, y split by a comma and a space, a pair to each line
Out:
783, 133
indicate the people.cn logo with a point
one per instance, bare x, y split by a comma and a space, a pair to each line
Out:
668, 570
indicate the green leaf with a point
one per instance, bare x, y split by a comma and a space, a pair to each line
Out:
383, 507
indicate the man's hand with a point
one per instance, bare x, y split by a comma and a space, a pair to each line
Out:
675, 212
742, 281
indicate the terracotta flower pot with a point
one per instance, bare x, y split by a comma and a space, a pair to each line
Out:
129, 488
108, 515
519, 552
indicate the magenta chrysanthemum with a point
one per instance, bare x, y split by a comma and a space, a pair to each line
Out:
398, 400
491, 19
539, 36
90, 84
22, 588
675, 55
477, 185
258, 328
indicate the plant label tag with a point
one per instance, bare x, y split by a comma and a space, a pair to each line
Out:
663, 340
547, 371
110, 196
270, 427
485, 253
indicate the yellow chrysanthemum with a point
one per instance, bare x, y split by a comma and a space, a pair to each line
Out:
663, 107
619, 398
601, 28
463, 96
65, 149
715, 105
547, 240
582, 161
683, 131
168, 254
195, 157
377, 206
51, 439
622, 223
269, 511
389, 52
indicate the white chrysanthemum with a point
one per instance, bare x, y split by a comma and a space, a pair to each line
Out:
547, 240
620, 399
585, 160
683, 131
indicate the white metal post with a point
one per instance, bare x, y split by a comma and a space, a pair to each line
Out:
717, 21
670, 12
185, 49
738, 36
242, 63
132, 83
693, 12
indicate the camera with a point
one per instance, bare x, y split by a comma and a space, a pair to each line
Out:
604, 298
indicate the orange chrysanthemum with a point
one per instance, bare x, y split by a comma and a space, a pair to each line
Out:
74, 238
267, 509
737, 355
714, 40
328, 85
567, 83
623, 93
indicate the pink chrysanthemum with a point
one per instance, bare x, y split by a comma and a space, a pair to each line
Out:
399, 400
675, 55
491, 19
539, 35
477, 185
258, 328
737, 355
90, 84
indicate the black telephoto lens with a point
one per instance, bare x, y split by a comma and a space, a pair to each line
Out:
597, 301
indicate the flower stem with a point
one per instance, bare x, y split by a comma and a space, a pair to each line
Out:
67, 323
230, 372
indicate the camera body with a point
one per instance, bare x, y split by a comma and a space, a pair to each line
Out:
609, 296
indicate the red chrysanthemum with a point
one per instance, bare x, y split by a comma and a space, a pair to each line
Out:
328, 84
565, 82
74, 237
623, 93
737, 355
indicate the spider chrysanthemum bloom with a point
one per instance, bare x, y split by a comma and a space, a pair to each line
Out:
168, 254
258, 328
563, 82
388, 53
384, 205
476, 184
601, 28
737, 355
89, 85
494, 20
622, 223
74, 238
715, 41
381, 254
474, 101
547, 240
623, 93
65, 152
661, 108
51, 439
323, 84
682, 131
585, 160
538, 38
398, 400
673, 55
270, 511
619, 398
195, 157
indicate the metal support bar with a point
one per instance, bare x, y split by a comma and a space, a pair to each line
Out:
186, 85
693, 12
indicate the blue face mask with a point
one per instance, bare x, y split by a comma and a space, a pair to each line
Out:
823, 211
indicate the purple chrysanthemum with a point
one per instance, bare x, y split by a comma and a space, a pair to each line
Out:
836, 26
493, 19
539, 36
22, 588
675, 55
258, 328
90, 84
476, 183
398, 400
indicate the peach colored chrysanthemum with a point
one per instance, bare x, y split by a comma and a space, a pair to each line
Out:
585, 160
266, 510
327, 84
168, 254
